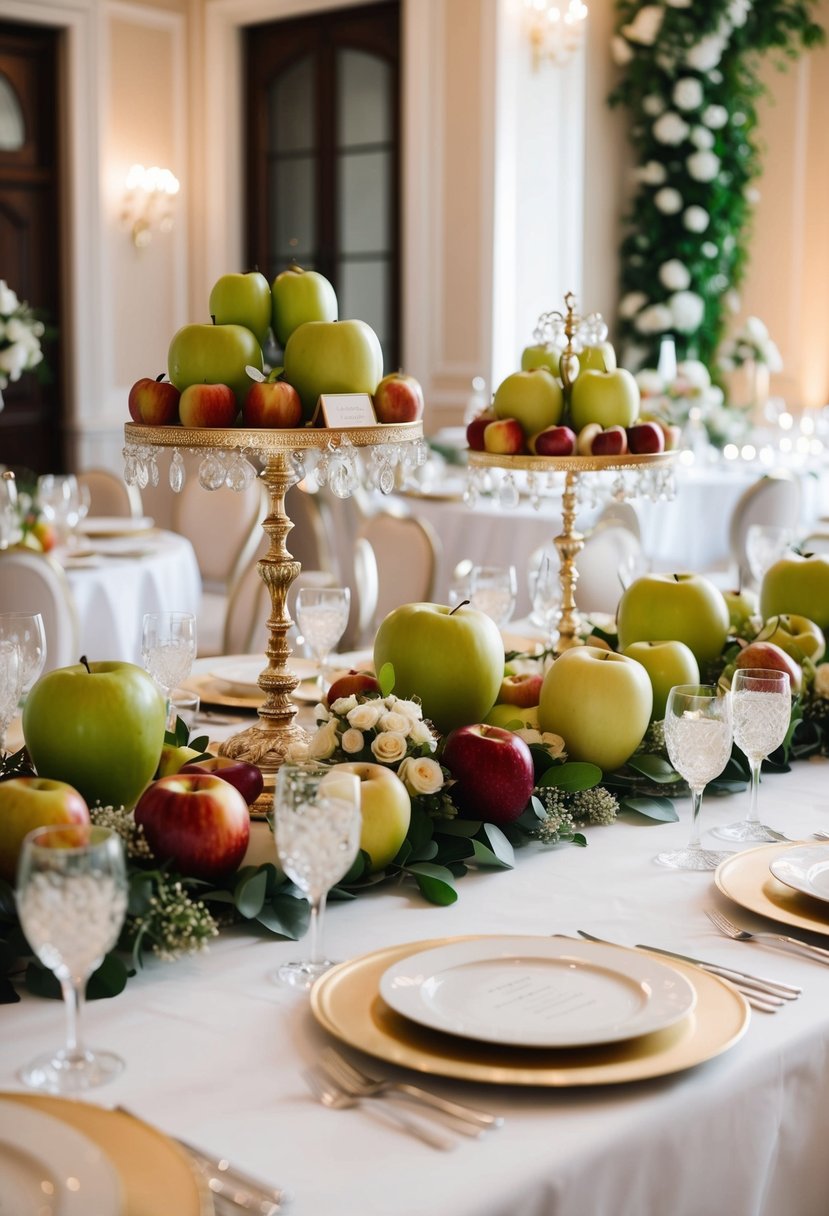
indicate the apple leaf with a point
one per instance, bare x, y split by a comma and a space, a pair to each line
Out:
385, 678
110, 979
661, 809
656, 768
458, 827
435, 882
572, 777
498, 853
249, 893
285, 916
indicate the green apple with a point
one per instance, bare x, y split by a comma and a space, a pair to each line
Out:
452, 659
386, 809
533, 398
600, 358
243, 299
674, 608
667, 664
101, 728
797, 635
599, 702
173, 759
506, 716
609, 398
298, 296
800, 585
214, 354
27, 803
542, 355
332, 357
742, 606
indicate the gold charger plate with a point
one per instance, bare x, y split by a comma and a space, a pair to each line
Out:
747, 881
346, 1002
157, 1176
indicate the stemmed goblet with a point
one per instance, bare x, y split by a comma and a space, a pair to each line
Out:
317, 831
168, 648
493, 590
10, 684
765, 543
72, 898
27, 631
322, 616
761, 709
698, 738
58, 498
545, 596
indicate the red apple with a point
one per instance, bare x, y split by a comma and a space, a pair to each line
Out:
398, 398
244, 777
672, 434
476, 428
272, 403
154, 401
352, 683
493, 771
207, 405
27, 803
612, 442
523, 690
505, 436
584, 443
766, 656
198, 822
645, 437
555, 441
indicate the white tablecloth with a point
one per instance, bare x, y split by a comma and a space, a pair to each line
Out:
215, 1052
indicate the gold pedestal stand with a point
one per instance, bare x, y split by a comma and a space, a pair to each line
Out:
266, 742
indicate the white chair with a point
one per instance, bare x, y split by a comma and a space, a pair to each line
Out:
406, 550
109, 494
34, 582
610, 551
623, 513
773, 500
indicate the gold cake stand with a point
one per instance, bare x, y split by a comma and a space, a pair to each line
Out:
266, 742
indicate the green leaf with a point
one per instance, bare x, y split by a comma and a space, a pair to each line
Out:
656, 768
202, 744
572, 777
500, 846
484, 856
286, 916
385, 678
457, 827
421, 827
357, 869
249, 894
661, 809
428, 852
41, 982
109, 979
141, 891
579, 839
435, 882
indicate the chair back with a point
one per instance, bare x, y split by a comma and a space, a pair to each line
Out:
773, 500
609, 551
406, 550
34, 582
249, 605
623, 513
222, 526
109, 494
310, 540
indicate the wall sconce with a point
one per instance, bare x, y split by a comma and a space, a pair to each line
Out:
148, 202
556, 30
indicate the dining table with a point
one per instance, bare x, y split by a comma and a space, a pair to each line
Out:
216, 1050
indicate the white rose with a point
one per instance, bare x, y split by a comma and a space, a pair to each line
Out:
342, 705
645, 26
687, 93
365, 716
324, 743
822, 680
630, 304
8, 299
410, 709
389, 747
321, 713
670, 128
695, 372
695, 219
703, 166
674, 275
715, 117
687, 310
668, 201
653, 105
528, 734
621, 51
650, 382
701, 137
352, 741
296, 753
654, 320
420, 734
420, 775
706, 54
651, 174
553, 743
398, 724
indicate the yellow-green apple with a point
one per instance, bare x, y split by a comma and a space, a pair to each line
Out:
352, 683
493, 772
398, 398
98, 726
272, 403
27, 803
599, 702
674, 607
505, 715
298, 296
611, 398
554, 441
610, 442
386, 809
667, 664
766, 656
452, 659
243, 299
540, 355
45, 535
154, 401
742, 605
198, 822
246, 778
208, 405
533, 398
332, 357
173, 759
522, 689
505, 437
584, 442
214, 354
800, 585
601, 357
645, 437
798, 636
672, 434
475, 430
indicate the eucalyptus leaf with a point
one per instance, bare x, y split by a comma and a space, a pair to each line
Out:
435, 882
661, 809
484, 856
451, 849
656, 768
108, 980
427, 852
500, 845
572, 777
458, 827
385, 678
285, 916
249, 894
421, 828
41, 982
141, 890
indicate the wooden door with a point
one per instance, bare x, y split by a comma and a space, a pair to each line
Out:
31, 422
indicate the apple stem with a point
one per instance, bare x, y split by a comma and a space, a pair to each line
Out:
212, 318
462, 604
85, 662
158, 379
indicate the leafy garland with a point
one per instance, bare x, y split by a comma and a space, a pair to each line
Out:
691, 81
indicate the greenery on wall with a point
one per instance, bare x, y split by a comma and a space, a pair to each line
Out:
691, 81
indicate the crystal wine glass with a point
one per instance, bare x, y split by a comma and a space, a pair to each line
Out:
10, 684
72, 898
317, 831
322, 616
761, 709
545, 596
493, 590
168, 648
765, 543
698, 737
27, 631
58, 498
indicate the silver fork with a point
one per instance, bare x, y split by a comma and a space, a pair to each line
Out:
780, 940
335, 1098
354, 1081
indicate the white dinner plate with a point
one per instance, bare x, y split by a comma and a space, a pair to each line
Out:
115, 525
47, 1168
537, 992
806, 869
239, 674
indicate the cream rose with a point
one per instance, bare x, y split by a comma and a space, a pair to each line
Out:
420, 733
420, 775
343, 705
365, 716
553, 743
409, 709
352, 741
389, 747
398, 724
324, 743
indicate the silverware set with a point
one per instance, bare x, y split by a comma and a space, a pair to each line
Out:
779, 940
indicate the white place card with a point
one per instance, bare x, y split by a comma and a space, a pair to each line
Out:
345, 409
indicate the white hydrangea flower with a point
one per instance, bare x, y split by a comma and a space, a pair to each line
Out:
756, 330
343, 705
645, 26
389, 747
365, 716
324, 743
630, 304
670, 128
668, 201
650, 382
706, 54
674, 275
737, 12
8, 299
694, 373
703, 166
701, 137
653, 105
687, 93
732, 300
352, 741
687, 310
752, 195
652, 174
715, 117
654, 320
695, 219
420, 775
621, 50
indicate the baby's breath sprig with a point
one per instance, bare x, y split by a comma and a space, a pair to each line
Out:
122, 821
172, 922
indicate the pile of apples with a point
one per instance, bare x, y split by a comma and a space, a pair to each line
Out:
530, 412
216, 372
